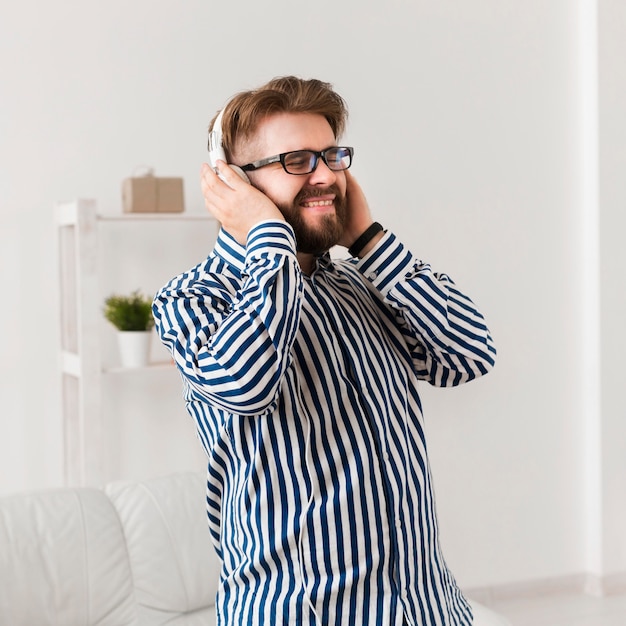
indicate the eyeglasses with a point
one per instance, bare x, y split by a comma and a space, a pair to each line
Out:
300, 162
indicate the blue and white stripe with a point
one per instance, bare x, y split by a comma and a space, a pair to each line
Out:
304, 394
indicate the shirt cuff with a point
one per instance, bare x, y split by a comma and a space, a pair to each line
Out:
270, 237
387, 263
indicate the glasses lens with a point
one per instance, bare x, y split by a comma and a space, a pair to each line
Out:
300, 162
338, 158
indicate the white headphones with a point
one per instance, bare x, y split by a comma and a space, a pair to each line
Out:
216, 147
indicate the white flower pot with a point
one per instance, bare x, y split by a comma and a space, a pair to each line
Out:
134, 347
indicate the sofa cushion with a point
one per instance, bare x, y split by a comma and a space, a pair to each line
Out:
174, 565
63, 561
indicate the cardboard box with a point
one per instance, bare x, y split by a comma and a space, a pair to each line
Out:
152, 194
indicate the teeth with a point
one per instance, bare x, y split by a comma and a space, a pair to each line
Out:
318, 203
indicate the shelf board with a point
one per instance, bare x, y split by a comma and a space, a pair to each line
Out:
155, 366
70, 364
156, 217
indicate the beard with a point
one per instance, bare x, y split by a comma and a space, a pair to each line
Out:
320, 238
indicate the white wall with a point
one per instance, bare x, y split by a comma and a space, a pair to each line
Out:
612, 166
467, 124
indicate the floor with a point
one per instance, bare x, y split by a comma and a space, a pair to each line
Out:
564, 610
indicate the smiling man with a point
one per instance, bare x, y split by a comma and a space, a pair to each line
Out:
301, 374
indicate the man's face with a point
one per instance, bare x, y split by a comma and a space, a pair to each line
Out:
314, 204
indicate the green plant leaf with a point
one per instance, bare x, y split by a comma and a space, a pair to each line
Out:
132, 312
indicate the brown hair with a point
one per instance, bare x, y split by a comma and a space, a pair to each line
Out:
287, 94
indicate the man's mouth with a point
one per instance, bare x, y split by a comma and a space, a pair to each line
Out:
314, 203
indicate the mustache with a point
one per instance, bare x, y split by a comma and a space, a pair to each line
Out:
316, 192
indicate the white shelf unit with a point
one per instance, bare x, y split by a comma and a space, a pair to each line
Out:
80, 243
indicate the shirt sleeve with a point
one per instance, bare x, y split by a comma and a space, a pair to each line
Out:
231, 339
447, 335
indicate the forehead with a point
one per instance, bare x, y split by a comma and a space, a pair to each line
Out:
283, 132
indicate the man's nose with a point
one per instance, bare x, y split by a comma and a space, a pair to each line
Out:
322, 174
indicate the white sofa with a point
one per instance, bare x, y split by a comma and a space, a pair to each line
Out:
133, 553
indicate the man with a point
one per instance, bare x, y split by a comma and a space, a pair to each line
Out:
301, 374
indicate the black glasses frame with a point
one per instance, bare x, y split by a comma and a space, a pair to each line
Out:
280, 158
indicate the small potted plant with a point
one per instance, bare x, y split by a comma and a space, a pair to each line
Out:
132, 316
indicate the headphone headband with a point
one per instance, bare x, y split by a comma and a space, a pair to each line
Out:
216, 149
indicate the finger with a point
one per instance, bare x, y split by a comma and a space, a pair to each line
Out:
211, 184
351, 184
208, 175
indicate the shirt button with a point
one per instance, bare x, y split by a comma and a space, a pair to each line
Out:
398, 524
372, 275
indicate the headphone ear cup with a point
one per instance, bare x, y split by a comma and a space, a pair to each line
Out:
239, 171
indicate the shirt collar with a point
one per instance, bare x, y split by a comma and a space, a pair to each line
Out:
324, 262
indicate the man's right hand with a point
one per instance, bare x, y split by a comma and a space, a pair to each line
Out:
236, 204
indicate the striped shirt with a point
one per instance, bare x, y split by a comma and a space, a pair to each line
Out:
304, 393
